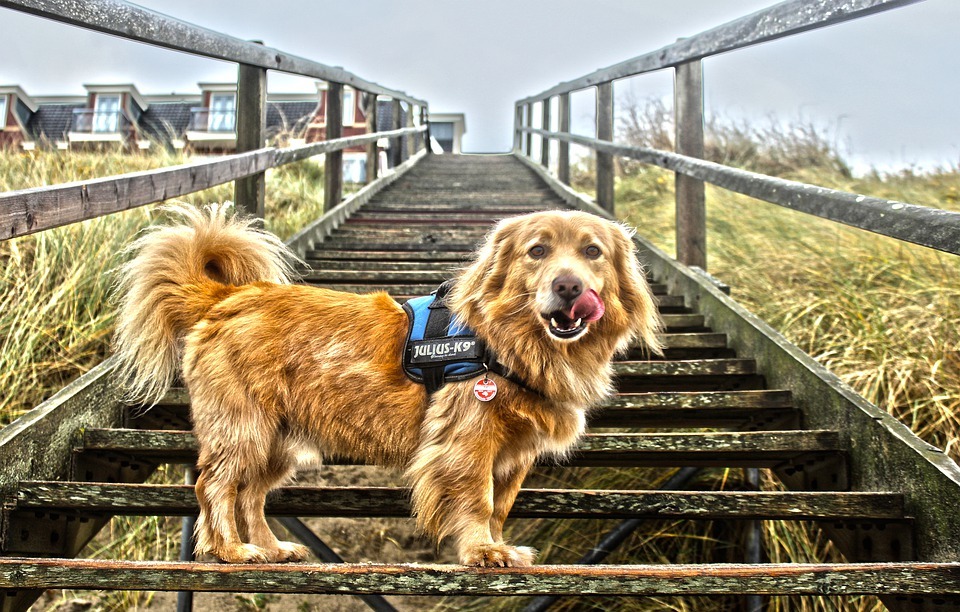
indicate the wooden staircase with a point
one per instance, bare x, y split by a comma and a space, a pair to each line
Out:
703, 404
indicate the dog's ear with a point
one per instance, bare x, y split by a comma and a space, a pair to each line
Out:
633, 291
486, 275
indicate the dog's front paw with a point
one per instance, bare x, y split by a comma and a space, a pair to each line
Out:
288, 552
498, 555
243, 553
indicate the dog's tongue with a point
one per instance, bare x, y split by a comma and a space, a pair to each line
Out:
589, 307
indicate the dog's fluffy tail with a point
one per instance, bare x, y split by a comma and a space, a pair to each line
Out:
180, 271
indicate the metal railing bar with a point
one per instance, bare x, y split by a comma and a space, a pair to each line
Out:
32, 210
778, 21
143, 25
929, 227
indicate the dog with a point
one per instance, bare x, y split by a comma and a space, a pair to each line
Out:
274, 367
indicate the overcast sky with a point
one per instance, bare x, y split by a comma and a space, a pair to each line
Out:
888, 84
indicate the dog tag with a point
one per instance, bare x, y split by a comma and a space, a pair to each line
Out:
485, 389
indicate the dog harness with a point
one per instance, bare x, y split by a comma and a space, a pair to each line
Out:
441, 349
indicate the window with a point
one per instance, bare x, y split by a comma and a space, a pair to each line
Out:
223, 112
349, 106
443, 134
106, 113
3, 112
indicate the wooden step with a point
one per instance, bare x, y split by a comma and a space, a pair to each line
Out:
744, 409
179, 500
725, 449
687, 375
321, 267
821, 579
326, 252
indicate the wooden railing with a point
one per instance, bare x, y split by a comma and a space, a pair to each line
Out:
33, 210
934, 228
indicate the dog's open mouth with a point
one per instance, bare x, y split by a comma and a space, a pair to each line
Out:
570, 323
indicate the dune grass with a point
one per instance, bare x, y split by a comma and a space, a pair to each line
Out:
56, 316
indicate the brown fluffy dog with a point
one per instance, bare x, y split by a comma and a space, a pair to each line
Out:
273, 367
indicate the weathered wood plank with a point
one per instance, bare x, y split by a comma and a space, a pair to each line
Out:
425, 579
690, 195
143, 25
373, 149
780, 20
605, 125
929, 227
392, 255
673, 449
250, 191
693, 367
176, 500
563, 148
333, 161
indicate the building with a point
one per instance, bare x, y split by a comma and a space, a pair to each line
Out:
448, 130
118, 115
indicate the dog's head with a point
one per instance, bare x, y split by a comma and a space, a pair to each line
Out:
561, 275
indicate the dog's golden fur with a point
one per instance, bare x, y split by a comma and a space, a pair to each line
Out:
273, 367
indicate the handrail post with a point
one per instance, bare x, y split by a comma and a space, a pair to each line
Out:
333, 161
396, 147
563, 147
517, 124
529, 125
691, 199
249, 192
605, 132
373, 152
425, 120
545, 140
412, 138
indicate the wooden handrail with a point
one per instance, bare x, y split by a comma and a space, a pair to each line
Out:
143, 25
778, 21
929, 227
32, 210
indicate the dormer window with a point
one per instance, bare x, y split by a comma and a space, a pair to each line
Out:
349, 105
106, 113
3, 111
223, 112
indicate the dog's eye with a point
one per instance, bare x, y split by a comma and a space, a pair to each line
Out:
537, 252
592, 251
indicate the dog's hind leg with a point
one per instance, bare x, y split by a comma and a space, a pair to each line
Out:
250, 509
231, 459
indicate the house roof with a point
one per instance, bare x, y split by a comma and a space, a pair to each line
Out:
20, 94
166, 120
52, 121
290, 116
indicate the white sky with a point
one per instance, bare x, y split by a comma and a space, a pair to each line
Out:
888, 82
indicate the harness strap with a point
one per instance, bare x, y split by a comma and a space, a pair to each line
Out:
438, 321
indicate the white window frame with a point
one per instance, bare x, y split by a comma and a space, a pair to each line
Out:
3, 111
226, 115
106, 122
349, 106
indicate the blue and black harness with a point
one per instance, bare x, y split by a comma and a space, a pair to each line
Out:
441, 349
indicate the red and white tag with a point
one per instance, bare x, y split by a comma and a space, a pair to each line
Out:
485, 389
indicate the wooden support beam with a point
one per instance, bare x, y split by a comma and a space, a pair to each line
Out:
529, 123
373, 151
545, 141
411, 140
517, 124
333, 164
250, 191
396, 145
605, 160
563, 147
690, 195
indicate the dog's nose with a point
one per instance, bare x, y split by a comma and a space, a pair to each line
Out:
567, 287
